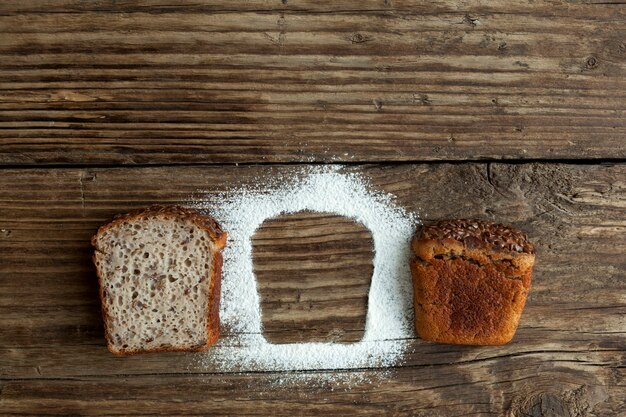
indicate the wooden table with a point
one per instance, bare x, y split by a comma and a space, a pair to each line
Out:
511, 111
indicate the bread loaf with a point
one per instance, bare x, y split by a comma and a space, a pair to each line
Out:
470, 280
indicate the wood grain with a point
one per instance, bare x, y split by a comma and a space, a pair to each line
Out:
298, 260
193, 87
568, 354
121, 82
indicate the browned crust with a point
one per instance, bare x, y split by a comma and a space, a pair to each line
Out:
215, 292
218, 237
479, 234
467, 292
459, 302
451, 239
168, 212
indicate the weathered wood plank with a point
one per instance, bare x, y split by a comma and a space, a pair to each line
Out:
297, 262
340, 6
512, 386
199, 82
568, 354
575, 214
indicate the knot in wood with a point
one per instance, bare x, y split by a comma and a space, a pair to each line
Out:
358, 38
592, 62
550, 404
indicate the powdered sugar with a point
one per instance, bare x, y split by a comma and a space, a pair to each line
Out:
321, 189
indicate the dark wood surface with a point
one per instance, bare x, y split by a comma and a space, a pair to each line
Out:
569, 351
510, 111
162, 82
313, 272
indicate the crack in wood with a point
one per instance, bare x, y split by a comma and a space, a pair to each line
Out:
82, 176
82, 193
490, 179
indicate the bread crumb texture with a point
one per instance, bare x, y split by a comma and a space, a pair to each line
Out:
155, 272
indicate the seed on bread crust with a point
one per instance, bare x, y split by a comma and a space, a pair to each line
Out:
479, 233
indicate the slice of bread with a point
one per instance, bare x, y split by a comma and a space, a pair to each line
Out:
160, 274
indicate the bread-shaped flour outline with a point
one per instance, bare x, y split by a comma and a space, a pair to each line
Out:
389, 319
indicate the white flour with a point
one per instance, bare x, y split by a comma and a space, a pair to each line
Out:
389, 318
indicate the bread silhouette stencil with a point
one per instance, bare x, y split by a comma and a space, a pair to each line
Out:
389, 319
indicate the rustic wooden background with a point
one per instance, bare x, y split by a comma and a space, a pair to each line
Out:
505, 110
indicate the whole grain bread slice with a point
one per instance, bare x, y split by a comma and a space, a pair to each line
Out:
159, 271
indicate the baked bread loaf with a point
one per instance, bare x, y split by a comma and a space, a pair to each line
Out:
470, 281
160, 274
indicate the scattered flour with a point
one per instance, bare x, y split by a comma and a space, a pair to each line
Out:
389, 319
